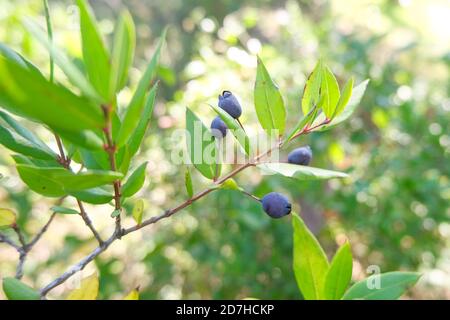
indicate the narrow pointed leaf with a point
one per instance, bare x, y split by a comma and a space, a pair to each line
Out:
392, 286
311, 92
38, 181
135, 181
339, 274
95, 55
14, 142
300, 172
21, 159
138, 135
123, 51
58, 181
200, 145
86, 139
98, 160
63, 210
15, 289
268, 101
345, 97
310, 262
93, 196
301, 124
134, 109
330, 92
357, 94
125, 160
24, 132
18, 58
72, 72
30, 95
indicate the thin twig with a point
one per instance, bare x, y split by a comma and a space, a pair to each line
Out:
251, 195
22, 257
88, 223
78, 267
97, 251
19, 233
40, 233
5, 239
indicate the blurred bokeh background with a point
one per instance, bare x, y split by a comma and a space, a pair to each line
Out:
394, 208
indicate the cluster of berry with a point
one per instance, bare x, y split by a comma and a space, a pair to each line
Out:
274, 204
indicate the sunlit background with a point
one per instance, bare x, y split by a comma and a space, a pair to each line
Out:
394, 208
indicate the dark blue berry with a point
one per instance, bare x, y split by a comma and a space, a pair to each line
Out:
300, 156
229, 103
276, 205
218, 128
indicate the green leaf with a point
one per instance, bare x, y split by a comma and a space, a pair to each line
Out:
392, 286
58, 181
134, 109
136, 138
268, 101
200, 145
310, 262
300, 172
339, 274
188, 183
16, 290
93, 196
21, 159
330, 92
138, 211
135, 181
7, 218
16, 143
235, 128
95, 55
311, 92
38, 181
30, 95
345, 97
95, 160
17, 58
302, 123
24, 132
125, 159
123, 51
84, 138
63, 210
84, 180
72, 72
353, 102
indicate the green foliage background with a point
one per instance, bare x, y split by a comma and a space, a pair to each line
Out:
396, 147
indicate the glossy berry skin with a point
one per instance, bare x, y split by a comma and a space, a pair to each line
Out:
229, 103
218, 128
276, 205
300, 156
